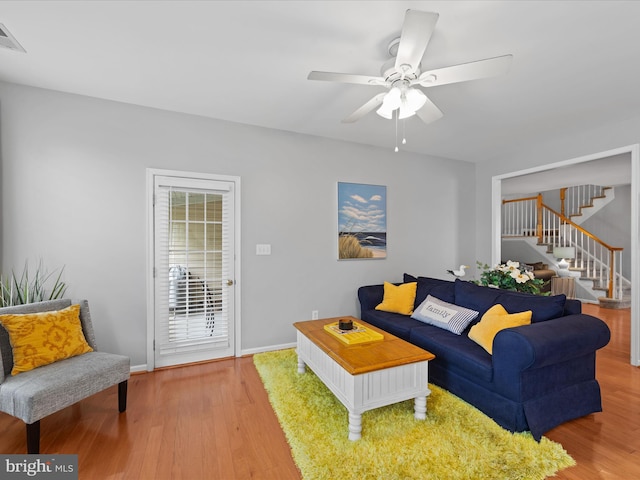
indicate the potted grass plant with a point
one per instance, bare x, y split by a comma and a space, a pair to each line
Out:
20, 289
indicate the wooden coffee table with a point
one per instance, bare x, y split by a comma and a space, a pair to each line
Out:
365, 376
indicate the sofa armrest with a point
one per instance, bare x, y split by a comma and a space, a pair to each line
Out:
553, 341
370, 296
546, 343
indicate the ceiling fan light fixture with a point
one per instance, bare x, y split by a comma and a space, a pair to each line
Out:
415, 99
393, 98
385, 112
391, 101
405, 112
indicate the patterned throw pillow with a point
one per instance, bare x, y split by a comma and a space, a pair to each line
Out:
42, 338
445, 315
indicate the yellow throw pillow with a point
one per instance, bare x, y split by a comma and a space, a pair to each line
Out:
494, 320
398, 299
42, 338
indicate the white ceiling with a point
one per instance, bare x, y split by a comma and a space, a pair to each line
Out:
576, 64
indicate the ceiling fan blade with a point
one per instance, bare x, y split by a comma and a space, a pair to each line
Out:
489, 67
372, 104
346, 78
416, 32
429, 112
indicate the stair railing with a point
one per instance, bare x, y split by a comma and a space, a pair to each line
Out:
573, 199
602, 263
520, 217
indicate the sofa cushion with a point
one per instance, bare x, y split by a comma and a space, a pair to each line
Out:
444, 315
444, 292
398, 298
454, 351
494, 320
394, 323
426, 286
408, 278
474, 296
543, 308
42, 338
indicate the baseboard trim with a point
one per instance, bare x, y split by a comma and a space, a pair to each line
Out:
252, 351
244, 353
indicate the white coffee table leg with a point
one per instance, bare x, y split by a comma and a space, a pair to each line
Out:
301, 365
420, 408
355, 426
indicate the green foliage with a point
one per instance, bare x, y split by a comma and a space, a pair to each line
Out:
509, 276
26, 288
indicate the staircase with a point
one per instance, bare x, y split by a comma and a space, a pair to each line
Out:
597, 266
583, 201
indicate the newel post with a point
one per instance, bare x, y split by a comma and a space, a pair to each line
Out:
539, 231
612, 265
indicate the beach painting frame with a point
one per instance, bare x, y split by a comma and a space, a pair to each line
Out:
362, 221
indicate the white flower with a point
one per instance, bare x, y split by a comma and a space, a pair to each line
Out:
521, 278
509, 267
512, 264
531, 275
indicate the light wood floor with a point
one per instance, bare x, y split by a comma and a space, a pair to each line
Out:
214, 421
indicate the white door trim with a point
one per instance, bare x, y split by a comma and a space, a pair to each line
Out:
151, 173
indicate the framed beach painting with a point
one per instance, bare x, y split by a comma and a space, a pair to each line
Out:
362, 221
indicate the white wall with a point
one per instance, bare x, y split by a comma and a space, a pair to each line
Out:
73, 194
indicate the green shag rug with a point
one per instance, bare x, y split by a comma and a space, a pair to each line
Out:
456, 441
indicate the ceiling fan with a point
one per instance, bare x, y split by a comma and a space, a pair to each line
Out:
402, 75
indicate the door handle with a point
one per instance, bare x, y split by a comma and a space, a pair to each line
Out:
229, 282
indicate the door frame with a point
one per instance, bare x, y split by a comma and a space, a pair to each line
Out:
151, 173
634, 151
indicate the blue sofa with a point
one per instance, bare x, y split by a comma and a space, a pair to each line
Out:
539, 376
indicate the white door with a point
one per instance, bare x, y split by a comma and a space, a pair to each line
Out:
193, 270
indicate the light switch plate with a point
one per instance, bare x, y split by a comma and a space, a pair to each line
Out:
263, 249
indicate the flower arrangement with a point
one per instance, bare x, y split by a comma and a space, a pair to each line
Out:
509, 276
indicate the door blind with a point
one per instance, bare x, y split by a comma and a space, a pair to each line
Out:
192, 268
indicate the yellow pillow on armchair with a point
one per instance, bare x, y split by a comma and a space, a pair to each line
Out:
42, 338
398, 298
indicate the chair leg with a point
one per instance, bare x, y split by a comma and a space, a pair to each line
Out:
122, 396
33, 437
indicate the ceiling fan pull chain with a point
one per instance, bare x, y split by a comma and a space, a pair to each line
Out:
404, 139
397, 114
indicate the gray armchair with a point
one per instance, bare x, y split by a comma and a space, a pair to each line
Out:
31, 396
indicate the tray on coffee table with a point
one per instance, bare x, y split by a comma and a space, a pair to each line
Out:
359, 334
